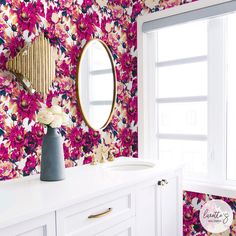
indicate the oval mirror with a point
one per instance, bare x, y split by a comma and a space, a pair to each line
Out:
96, 84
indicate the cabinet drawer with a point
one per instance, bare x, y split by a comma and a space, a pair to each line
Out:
100, 213
40, 226
126, 228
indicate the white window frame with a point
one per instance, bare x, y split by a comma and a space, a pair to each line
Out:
146, 99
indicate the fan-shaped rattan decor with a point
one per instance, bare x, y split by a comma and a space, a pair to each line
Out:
34, 65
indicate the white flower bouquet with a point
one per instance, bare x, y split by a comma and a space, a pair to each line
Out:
52, 116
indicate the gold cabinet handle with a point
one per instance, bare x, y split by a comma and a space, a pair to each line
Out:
109, 210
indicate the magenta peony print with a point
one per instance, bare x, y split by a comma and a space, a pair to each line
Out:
192, 204
68, 25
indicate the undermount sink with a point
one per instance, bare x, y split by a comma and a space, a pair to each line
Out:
130, 165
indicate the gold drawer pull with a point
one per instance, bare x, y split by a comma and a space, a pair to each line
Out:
109, 210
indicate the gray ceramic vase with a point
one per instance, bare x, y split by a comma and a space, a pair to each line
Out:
52, 159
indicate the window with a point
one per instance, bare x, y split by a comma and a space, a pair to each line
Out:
181, 95
231, 98
191, 93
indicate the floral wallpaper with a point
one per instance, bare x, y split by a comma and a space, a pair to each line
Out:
192, 204
68, 24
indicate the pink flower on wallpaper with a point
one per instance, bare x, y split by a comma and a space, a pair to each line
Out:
121, 92
188, 212
88, 2
3, 117
95, 18
132, 35
96, 137
85, 27
7, 170
135, 66
65, 3
169, 3
66, 151
191, 221
3, 153
125, 152
86, 5
114, 122
107, 26
126, 62
3, 61
16, 137
74, 54
39, 6
6, 82
88, 143
3, 26
31, 143
57, 35
16, 155
135, 144
87, 160
29, 15
76, 137
118, 14
63, 68
66, 88
124, 78
189, 196
27, 105
15, 45
132, 110
29, 165
124, 3
50, 96
134, 88
137, 8
38, 132
52, 15
75, 154
187, 229
126, 137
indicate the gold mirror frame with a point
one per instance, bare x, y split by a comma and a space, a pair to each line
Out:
114, 81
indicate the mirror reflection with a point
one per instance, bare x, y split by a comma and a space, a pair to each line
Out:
96, 84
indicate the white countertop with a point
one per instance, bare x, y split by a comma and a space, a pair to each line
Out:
28, 197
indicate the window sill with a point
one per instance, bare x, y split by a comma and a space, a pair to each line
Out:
222, 190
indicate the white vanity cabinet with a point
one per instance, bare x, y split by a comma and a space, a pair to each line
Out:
159, 206
170, 209
125, 228
39, 226
97, 215
95, 201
